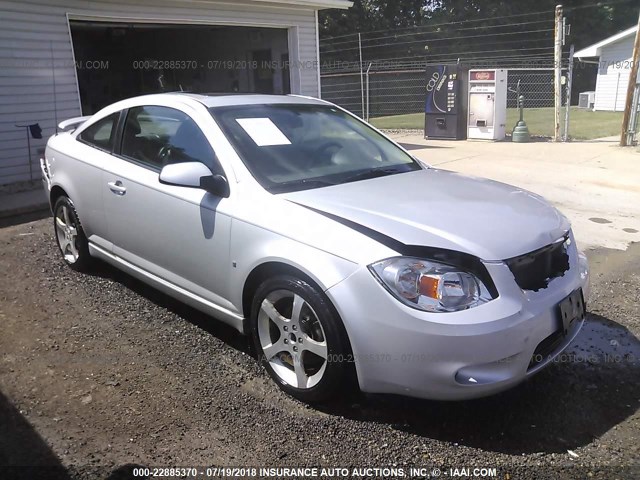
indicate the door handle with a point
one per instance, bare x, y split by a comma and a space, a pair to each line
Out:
117, 187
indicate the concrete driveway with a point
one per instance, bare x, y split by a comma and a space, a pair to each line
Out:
596, 184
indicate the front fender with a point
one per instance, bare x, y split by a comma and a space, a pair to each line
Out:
254, 246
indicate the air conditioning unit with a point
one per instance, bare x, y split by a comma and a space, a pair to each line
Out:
587, 100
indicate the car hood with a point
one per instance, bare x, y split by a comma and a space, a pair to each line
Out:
438, 208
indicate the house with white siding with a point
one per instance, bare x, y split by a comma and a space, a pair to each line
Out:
65, 58
614, 56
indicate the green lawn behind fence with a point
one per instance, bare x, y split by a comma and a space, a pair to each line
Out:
583, 124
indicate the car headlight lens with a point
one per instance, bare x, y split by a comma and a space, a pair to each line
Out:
430, 286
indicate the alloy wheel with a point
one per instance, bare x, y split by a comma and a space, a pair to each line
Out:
67, 234
292, 339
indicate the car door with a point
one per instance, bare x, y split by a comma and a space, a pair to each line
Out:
179, 234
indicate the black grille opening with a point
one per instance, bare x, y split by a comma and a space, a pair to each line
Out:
546, 348
534, 270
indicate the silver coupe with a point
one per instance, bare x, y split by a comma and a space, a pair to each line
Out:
341, 255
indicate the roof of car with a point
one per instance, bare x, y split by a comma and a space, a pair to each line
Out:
208, 100
231, 99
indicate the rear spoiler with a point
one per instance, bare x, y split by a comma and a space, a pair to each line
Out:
73, 123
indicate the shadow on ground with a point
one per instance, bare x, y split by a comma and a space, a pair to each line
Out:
25, 455
533, 139
24, 218
23, 452
590, 389
415, 146
216, 328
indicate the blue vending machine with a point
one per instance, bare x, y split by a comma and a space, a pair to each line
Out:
445, 107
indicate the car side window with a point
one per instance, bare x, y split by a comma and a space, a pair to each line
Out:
102, 133
157, 136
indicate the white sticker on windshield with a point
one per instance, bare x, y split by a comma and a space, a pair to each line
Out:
263, 131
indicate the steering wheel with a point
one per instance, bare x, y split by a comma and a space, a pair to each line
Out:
163, 154
322, 148
320, 154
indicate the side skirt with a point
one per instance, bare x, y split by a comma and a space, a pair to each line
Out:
191, 299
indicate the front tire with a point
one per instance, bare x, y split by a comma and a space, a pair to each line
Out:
70, 237
298, 338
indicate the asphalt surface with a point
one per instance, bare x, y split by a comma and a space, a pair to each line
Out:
98, 371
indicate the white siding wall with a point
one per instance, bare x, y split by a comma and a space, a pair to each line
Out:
613, 75
32, 32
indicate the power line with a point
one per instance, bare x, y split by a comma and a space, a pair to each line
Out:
484, 27
517, 15
460, 22
595, 5
474, 52
467, 52
504, 42
438, 40
418, 63
453, 55
394, 35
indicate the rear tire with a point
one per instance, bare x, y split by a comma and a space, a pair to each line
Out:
71, 239
299, 339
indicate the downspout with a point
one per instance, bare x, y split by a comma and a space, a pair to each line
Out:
615, 102
318, 56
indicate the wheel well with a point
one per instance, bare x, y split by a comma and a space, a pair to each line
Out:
261, 273
270, 269
55, 194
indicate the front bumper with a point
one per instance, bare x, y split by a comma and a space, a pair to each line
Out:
461, 355
46, 178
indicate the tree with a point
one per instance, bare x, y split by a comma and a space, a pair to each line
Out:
604, 18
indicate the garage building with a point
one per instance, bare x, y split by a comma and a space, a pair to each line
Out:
65, 58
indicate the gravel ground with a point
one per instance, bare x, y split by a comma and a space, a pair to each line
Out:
99, 371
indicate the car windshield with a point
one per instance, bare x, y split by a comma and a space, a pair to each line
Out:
298, 147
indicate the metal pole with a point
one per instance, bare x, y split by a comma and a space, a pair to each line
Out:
615, 99
633, 78
361, 72
55, 97
368, 68
29, 147
633, 123
568, 107
557, 72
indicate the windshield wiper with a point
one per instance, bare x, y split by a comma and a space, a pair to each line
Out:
302, 184
374, 173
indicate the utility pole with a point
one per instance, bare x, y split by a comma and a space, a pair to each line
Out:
557, 81
633, 78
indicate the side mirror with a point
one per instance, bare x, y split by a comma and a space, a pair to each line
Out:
216, 185
194, 175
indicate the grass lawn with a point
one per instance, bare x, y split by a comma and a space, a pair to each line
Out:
583, 124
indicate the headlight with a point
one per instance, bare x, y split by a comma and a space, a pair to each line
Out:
429, 285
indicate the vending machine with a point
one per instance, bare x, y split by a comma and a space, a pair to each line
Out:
445, 112
487, 104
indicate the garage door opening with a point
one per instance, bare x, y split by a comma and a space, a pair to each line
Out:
116, 61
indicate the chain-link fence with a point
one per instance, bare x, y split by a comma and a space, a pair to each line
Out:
381, 75
396, 98
384, 93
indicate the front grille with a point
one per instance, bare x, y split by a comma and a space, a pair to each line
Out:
533, 271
